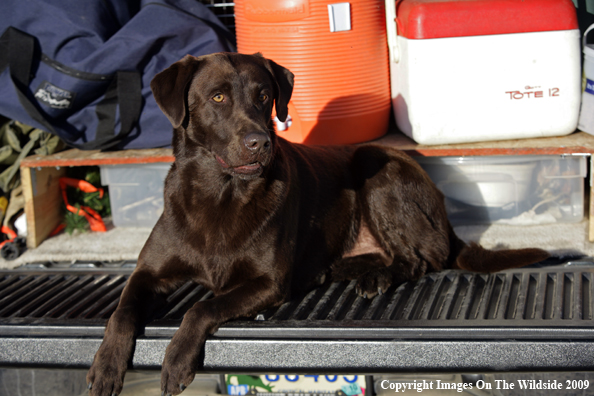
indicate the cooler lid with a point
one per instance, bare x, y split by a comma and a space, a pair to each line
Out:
425, 19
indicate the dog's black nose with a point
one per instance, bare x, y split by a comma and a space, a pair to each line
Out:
256, 141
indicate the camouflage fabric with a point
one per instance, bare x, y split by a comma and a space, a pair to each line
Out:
17, 141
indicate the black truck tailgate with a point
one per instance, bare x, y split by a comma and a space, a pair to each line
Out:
537, 319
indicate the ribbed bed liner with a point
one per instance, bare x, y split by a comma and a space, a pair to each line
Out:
546, 305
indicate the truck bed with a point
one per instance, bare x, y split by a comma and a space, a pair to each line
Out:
541, 318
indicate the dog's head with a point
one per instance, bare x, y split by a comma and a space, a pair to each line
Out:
221, 105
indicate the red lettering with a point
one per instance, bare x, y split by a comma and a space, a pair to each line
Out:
531, 94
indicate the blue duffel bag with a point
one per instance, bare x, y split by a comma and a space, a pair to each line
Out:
82, 69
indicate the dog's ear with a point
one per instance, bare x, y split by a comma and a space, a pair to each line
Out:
284, 83
169, 88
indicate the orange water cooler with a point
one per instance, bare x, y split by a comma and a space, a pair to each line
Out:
338, 53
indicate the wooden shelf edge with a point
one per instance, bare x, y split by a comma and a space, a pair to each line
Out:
75, 157
576, 143
483, 152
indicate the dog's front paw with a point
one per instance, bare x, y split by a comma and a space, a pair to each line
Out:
179, 365
175, 378
106, 375
374, 282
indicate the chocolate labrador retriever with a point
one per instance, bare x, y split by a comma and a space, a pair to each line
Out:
255, 218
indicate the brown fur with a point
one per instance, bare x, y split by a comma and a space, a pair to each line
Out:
255, 218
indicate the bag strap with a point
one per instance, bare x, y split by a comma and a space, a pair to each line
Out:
125, 89
20, 49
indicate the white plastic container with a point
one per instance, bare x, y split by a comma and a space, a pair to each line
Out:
135, 193
478, 70
586, 122
517, 190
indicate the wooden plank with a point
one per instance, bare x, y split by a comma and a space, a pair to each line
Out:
43, 202
590, 219
590, 198
575, 143
75, 157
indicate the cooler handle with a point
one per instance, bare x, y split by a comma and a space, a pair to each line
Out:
391, 30
585, 39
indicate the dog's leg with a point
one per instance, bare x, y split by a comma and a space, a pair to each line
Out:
403, 216
374, 272
138, 301
360, 267
182, 355
401, 260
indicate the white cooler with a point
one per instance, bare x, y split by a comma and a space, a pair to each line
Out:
477, 70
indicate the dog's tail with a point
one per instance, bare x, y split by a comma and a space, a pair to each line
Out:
473, 257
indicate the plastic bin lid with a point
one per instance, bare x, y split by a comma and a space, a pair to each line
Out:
425, 19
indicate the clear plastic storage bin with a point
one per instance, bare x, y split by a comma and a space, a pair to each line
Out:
518, 190
135, 193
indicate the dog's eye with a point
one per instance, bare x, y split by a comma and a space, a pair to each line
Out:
218, 98
263, 98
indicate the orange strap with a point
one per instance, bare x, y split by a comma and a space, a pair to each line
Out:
92, 216
9, 233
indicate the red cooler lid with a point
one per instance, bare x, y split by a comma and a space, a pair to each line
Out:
425, 19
